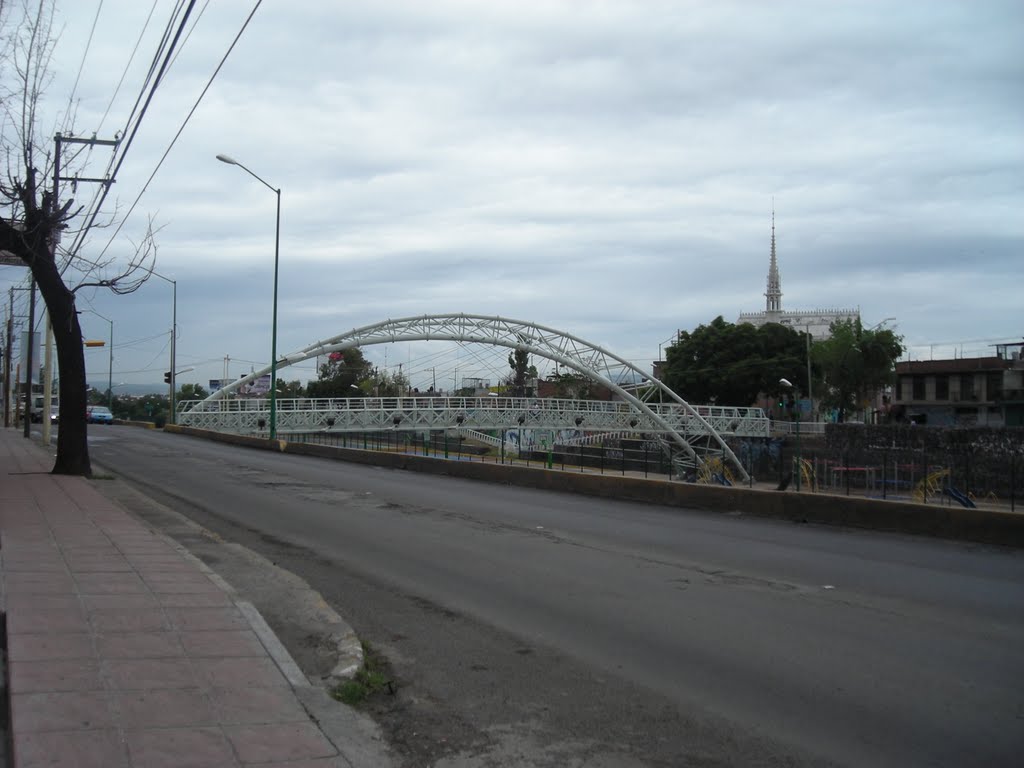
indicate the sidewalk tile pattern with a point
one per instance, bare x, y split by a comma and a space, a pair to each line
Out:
122, 652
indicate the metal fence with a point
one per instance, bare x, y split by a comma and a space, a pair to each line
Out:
638, 457
907, 474
898, 474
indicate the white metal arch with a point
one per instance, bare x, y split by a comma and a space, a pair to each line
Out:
588, 359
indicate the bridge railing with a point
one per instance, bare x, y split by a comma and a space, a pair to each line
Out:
803, 427
250, 415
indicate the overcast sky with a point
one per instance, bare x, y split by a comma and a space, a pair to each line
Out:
604, 168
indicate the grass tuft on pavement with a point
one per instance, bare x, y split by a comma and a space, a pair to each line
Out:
372, 677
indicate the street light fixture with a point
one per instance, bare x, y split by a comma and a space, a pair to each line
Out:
810, 395
110, 358
273, 336
174, 339
799, 463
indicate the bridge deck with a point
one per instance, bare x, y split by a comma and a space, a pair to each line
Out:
361, 414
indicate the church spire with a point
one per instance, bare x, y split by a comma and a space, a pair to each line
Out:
774, 292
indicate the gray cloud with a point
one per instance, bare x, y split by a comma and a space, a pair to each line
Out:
605, 168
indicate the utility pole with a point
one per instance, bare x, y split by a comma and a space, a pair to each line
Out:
172, 377
28, 358
47, 380
810, 396
7, 362
58, 140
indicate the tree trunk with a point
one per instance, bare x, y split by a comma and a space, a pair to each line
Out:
72, 446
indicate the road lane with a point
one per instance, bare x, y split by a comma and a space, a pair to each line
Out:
858, 648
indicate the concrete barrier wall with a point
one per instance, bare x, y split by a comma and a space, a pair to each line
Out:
986, 526
142, 424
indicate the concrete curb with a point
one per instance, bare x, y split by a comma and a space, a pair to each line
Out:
267, 637
274, 647
976, 525
141, 424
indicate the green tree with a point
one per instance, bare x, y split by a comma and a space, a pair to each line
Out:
519, 362
729, 364
854, 364
290, 389
572, 386
145, 408
191, 392
341, 376
384, 384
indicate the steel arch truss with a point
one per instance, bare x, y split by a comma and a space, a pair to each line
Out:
689, 429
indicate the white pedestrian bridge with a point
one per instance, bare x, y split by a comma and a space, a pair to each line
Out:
643, 405
523, 422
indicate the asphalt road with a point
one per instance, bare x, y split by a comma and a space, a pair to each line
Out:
533, 628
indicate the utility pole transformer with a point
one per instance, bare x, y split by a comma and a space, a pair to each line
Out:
60, 139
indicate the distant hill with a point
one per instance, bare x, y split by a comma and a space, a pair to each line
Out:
135, 390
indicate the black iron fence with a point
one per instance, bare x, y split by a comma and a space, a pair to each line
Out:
966, 467
932, 473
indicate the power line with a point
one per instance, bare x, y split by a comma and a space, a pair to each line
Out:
181, 129
81, 64
99, 195
123, 149
127, 66
188, 34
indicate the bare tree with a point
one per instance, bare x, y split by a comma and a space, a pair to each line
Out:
33, 218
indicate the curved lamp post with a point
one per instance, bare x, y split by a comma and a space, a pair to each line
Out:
799, 465
174, 340
273, 336
110, 357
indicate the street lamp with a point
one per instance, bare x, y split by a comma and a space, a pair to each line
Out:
273, 334
799, 465
110, 358
174, 338
810, 396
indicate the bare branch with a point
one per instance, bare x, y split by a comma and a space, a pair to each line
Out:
136, 272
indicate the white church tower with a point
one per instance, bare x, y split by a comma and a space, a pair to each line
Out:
814, 321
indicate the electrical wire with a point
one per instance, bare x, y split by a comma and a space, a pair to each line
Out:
81, 64
99, 195
127, 66
126, 145
118, 152
188, 34
181, 129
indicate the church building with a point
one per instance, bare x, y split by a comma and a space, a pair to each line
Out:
814, 321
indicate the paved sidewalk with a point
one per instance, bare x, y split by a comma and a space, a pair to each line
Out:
124, 650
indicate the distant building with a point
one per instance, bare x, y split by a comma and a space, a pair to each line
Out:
474, 387
963, 392
817, 322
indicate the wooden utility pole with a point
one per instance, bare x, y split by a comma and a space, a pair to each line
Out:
7, 362
72, 445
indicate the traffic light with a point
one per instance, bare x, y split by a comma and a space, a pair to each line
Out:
167, 377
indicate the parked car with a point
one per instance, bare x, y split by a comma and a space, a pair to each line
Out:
98, 414
37, 409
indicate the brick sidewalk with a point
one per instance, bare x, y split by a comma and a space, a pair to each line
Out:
124, 650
